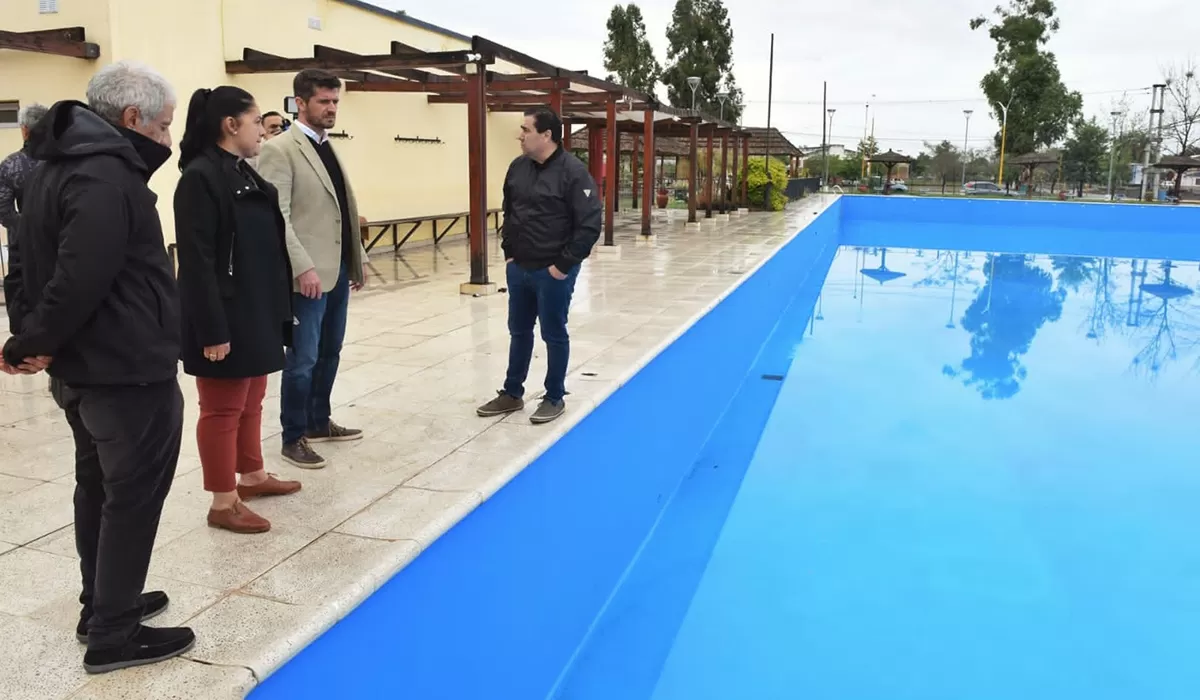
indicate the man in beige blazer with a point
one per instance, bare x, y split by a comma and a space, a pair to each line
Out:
327, 258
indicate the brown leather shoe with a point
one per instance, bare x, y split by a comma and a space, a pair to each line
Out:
239, 519
273, 486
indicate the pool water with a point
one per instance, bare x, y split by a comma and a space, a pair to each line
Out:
978, 480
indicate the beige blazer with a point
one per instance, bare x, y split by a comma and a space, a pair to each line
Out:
310, 208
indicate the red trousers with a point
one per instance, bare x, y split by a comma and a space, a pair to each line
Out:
229, 431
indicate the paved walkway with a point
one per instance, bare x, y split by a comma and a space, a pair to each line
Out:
418, 359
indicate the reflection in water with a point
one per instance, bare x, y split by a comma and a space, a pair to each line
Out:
1149, 306
1072, 271
1161, 346
1016, 301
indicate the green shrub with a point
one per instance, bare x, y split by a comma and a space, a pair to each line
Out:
756, 182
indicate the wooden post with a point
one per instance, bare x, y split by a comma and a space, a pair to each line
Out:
595, 155
477, 184
648, 190
566, 136
633, 169
610, 190
724, 172
736, 185
708, 181
693, 155
745, 171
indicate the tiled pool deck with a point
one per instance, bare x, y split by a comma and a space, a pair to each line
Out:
418, 359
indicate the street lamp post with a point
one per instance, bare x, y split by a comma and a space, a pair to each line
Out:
694, 83
825, 182
722, 96
1112, 155
1003, 140
862, 173
966, 140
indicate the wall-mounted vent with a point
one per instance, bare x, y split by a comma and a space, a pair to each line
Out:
314, 23
47, 7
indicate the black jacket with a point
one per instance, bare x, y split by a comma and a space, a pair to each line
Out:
235, 280
90, 282
552, 212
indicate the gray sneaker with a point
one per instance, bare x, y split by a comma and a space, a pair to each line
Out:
302, 455
502, 405
547, 411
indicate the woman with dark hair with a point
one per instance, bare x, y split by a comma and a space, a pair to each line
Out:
235, 292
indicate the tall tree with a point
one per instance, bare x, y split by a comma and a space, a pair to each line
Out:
1026, 76
868, 147
700, 44
1181, 122
945, 162
628, 56
1085, 156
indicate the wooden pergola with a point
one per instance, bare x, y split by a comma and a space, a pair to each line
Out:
890, 159
1030, 162
764, 141
631, 144
1179, 165
65, 41
464, 77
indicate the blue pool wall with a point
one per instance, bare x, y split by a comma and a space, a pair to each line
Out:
1025, 226
497, 607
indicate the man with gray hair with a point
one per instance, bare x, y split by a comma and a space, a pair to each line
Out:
92, 298
15, 169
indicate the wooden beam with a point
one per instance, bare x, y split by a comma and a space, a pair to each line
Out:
477, 178
528, 62
322, 51
457, 87
648, 189
611, 184
459, 90
51, 42
62, 34
536, 84
383, 62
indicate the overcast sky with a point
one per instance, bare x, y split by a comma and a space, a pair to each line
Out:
917, 57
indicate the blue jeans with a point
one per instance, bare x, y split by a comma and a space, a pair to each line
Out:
312, 361
534, 295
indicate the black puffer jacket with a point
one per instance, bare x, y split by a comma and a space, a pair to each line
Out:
90, 282
552, 212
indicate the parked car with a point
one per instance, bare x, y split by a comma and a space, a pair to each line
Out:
895, 186
984, 187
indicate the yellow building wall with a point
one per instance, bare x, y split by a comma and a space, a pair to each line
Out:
188, 41
34, 77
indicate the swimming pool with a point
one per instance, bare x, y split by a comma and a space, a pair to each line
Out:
889, 464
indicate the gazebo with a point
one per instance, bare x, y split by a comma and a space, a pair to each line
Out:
1180, 165
1030, 162
889, 159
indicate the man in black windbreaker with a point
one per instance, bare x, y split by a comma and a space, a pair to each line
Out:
552, 218
91, 295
